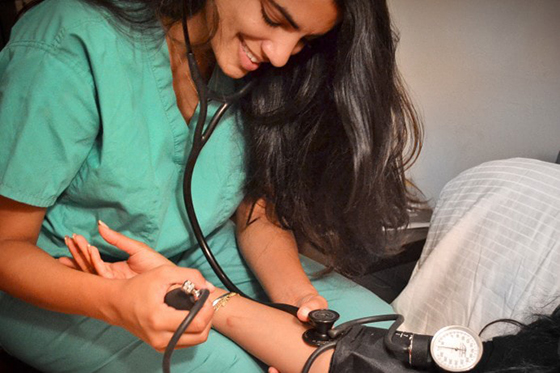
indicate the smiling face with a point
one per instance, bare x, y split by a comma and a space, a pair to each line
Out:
253, 32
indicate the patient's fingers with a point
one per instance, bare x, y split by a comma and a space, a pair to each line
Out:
100, 266
83, 245
83, 261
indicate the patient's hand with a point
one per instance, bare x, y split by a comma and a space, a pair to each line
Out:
86, 257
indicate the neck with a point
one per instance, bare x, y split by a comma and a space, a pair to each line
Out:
185, 91
199, 35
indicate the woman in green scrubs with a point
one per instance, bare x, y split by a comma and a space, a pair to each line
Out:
95, 106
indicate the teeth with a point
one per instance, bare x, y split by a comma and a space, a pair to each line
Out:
246, 50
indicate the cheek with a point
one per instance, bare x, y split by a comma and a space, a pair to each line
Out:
227, 33
222, 43
240, 17
225, 47
226, 41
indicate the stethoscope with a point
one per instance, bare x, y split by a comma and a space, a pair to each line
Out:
186, 297
322, 334
200, 138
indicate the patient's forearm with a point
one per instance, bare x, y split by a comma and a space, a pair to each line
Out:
273, 336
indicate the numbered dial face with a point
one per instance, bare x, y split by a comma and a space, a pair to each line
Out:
456, 349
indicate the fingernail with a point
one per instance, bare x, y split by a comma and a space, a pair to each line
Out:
210, 286
102, 224
74, 235
66, 239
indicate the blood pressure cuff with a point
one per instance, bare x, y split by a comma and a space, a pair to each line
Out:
362, 349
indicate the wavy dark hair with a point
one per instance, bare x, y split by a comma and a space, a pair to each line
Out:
329, 135
534, 349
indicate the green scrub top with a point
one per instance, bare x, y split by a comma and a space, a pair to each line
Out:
90, 129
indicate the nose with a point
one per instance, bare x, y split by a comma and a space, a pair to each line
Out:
278, 51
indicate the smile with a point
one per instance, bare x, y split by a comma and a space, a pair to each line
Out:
248, 53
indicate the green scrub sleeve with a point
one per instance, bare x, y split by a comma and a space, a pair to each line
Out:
48, 119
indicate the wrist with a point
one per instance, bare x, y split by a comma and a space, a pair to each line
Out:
110, 298
227, 311
297, 295
216, 294
305, 298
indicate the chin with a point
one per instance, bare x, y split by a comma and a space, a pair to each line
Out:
230, 68
234, 72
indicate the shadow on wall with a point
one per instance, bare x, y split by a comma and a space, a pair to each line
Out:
486, 78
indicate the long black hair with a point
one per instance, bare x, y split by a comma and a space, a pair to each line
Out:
534, 349
329, 135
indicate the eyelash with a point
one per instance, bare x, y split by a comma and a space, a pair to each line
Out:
306, 43
267, 19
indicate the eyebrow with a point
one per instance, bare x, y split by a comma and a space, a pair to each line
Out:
285, 13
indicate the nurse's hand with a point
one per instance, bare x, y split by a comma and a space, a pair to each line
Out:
86, 258
137, 305
308, 303
147, 276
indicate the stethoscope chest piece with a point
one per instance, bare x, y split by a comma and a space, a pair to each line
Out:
322, 321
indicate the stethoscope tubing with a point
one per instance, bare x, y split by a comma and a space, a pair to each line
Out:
200, 139
201, 136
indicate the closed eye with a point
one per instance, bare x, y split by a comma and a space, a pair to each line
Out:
268, 20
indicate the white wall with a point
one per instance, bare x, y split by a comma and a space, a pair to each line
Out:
485, 75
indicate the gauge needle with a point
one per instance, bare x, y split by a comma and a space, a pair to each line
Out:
453, 348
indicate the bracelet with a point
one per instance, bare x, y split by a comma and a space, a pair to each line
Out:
222, 300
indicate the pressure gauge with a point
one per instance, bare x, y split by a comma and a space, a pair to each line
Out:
456, 349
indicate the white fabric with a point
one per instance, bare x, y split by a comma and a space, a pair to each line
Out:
492, 251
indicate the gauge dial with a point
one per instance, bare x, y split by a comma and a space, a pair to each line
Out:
456, 348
